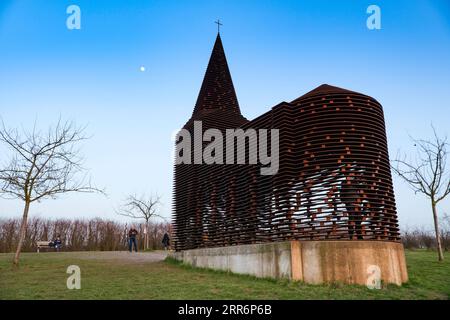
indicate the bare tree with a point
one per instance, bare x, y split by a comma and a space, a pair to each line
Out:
41, 166
143, 207
428, 174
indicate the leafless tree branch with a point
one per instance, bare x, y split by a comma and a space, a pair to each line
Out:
142, 207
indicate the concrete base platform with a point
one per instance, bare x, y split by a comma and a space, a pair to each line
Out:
314, 262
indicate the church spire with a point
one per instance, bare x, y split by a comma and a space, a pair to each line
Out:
217, 91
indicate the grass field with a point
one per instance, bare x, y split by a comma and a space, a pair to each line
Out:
43, 276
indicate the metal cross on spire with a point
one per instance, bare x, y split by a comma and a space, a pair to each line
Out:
218, 25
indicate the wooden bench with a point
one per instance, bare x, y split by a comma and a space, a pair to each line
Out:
43, 245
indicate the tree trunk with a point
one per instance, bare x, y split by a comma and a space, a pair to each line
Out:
146, 235
436, 229
23, 231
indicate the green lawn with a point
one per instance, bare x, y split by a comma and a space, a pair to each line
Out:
43, 276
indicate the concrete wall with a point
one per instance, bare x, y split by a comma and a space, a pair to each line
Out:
347, 261
309, 261
271, 260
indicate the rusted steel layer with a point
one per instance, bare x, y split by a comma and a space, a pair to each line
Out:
334, 180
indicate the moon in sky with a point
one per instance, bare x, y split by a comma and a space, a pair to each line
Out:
142, 68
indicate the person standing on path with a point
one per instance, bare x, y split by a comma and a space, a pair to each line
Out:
166, 241
132, 239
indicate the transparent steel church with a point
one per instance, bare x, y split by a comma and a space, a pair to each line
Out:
333, 182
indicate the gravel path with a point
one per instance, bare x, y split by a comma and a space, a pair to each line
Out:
121, 256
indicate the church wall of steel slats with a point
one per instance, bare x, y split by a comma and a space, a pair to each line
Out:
333, 183
334, 180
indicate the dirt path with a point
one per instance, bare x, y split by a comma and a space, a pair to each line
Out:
121, 256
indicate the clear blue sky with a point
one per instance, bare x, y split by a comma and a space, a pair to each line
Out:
276, 50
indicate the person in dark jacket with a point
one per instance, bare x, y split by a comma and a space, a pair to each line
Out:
132, 234
57, 242
166, 241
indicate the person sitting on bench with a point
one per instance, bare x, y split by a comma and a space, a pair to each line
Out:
57, 243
